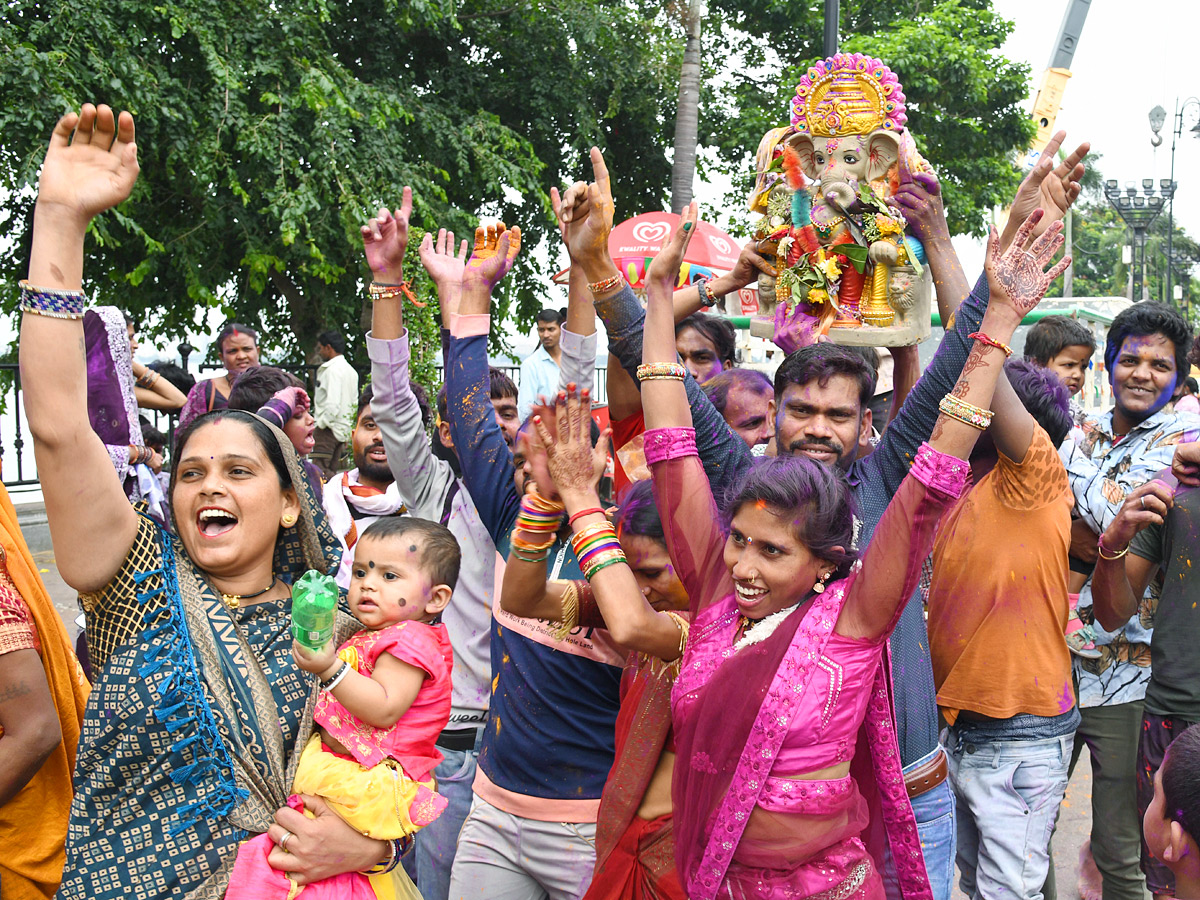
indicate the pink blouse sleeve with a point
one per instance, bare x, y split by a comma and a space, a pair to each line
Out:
891, 567
691, 521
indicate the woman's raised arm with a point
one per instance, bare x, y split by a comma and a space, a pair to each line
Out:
90, 166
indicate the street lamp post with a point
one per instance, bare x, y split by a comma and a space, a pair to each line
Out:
1137, 211
1158, 116
1182, 262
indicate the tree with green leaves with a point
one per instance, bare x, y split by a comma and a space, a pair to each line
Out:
268, 133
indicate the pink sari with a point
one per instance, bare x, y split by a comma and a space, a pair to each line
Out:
742, 831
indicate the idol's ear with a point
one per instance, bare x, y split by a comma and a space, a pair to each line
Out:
803, 145
883, 149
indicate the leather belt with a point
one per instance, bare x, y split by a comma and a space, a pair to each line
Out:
460, 740
928, 776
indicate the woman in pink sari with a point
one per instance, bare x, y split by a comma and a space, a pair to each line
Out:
788, 782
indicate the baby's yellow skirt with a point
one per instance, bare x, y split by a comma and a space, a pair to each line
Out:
381, 802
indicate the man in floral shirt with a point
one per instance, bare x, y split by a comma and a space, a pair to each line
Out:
1146, 356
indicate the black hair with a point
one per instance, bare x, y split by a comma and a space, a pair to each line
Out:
500, 387
230, 330
814, 497
1052, 335
1192, 385
334, 339
439, 551
820, 362
262, 431
255, 386
1144, 319
1181, 781
870, 356
177, 375
1194, 353
422, 396
718, 387
638, 514
151, 436
549, 315
1044, 395
364, 400
718, 331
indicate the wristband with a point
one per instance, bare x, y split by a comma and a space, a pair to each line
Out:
600, 287
392, 291
592, 510
397, 847
707, 298
52, 302
984, 339
965, 412
661, 372
337, 677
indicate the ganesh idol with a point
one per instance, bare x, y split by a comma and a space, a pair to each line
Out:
822, 187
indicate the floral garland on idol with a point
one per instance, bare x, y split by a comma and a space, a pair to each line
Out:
825, 268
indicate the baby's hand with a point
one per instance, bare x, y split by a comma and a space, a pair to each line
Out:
315, 661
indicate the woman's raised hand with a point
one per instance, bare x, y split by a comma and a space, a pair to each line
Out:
92, 169
385, 239
575, 465
1017, 277
663, 274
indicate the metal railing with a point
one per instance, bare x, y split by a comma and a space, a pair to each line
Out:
19, 469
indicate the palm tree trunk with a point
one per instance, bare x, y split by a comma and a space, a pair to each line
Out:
683, 170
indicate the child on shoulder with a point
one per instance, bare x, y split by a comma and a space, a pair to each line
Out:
385, 698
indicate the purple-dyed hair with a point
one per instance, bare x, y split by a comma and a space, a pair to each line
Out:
815, 497
820, 362
718, 387
638, 515
1043, 395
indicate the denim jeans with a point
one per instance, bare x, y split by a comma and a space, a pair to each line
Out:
934, 812
1008, 794
437, 843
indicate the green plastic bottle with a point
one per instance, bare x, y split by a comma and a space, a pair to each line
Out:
314, 602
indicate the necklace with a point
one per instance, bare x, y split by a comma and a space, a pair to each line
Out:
755, 632
233, 601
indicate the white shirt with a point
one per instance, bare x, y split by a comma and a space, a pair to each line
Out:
337, 397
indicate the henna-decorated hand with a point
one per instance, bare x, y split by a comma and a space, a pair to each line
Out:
385, 238
794, 329
586, 215
91, 171
919, 200
575, 465
663, 273
1048, 187
495, 249
1146, 505
445, 268
1017, 277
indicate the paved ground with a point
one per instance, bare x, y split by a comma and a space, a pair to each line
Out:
1074, 820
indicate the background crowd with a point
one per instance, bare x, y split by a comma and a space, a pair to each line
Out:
848, 668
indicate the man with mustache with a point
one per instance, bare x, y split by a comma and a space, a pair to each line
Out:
367, 491
822, 394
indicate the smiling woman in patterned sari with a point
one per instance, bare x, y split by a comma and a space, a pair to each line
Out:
193, 728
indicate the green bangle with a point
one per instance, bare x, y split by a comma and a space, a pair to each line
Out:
591, 573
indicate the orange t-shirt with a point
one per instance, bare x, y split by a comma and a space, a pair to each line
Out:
998, 599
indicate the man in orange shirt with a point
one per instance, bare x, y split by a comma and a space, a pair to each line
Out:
997, 610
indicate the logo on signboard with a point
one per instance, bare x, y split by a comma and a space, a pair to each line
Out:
721, 244
651, 232
749, 298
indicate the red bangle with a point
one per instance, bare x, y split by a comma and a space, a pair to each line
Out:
584, 512
984, 339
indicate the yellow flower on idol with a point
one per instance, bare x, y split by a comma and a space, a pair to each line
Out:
831, 269
888, 225
818, 295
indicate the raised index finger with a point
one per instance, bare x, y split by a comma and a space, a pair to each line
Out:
600, 172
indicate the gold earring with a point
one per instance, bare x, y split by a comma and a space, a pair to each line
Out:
819, 587
288, 520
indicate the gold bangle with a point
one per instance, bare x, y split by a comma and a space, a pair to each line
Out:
663, 371
1101, 548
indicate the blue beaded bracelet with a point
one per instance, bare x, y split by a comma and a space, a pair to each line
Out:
57, 304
